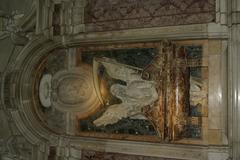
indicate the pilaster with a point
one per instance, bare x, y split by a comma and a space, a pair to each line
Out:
234, 81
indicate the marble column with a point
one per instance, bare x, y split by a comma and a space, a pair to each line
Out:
234, 79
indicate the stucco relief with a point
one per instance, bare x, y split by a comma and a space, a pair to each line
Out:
11, 27
73, 90
68, 89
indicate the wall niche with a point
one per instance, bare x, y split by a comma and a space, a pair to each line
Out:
152, 92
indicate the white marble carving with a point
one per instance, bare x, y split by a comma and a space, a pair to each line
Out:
198, 93
45, 90
135, 95
73, 90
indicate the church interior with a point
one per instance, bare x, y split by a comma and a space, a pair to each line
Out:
119, 80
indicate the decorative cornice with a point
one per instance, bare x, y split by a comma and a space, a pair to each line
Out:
197, 31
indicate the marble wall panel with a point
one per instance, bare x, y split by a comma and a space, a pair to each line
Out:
94, 155
217, 92
102, 15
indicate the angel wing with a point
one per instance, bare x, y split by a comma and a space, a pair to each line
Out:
120, 71
135, 95
115, 70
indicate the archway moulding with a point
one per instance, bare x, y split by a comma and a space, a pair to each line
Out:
28, 123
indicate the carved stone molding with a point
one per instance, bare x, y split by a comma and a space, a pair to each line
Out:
221, 12
7, 90
196, 31
1, 84
28, 22
57, 18
19, 24
234, 79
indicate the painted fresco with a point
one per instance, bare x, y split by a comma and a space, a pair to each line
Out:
145, 91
